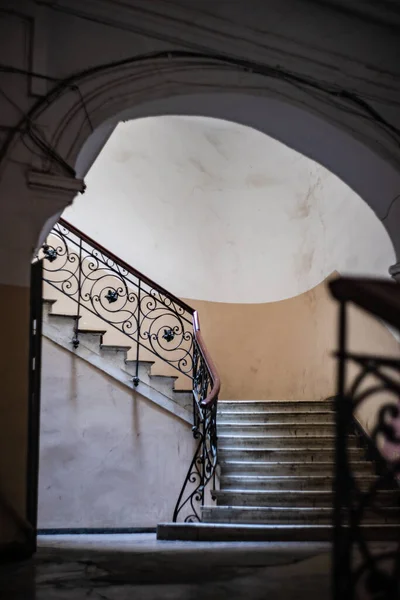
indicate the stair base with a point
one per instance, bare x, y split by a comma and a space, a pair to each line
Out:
223, 532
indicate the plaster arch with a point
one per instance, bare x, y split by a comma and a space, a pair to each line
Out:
356, 150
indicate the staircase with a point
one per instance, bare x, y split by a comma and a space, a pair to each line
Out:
114, 359
269, 465
276, 464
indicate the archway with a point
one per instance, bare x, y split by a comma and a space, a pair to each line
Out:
297, 315
70, 118
80, 112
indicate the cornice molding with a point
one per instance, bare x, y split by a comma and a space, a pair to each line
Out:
49, 183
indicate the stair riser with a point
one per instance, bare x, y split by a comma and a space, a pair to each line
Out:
266, 417
265, 516
290, 442
289, 484
115, 357
184, 400
281, 407
143, 371
256, 533
289, 468
289, 430
299, 499
280, 454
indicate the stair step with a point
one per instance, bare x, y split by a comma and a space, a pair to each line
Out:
278, 482
294, 429
242, 416
91, 339
116, 355
276, 454
225, 532
280, 441
287, 515
275, 406
143, 371
62, 318
294, 498
243, 467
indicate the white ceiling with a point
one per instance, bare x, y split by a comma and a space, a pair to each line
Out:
218, 211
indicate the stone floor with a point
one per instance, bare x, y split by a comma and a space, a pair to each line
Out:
122, 567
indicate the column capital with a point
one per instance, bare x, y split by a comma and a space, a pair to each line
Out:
55, 184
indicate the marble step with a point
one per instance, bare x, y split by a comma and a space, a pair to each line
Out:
276, 454
291, 498
226, 532
280, 441
284, 483
299, 406
243, 467
288, 515
294, 429
241, 416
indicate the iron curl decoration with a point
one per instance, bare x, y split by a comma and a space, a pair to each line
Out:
202, 469
106, 287
367, 510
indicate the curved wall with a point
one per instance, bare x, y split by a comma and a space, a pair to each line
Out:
220, 212
247, 231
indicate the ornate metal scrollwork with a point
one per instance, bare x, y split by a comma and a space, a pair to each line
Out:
97, 282
202, 468
169, 334
367, 509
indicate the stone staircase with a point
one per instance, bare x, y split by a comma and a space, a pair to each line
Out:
113, 359
276, 463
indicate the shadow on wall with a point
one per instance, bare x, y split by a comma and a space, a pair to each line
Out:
108, 456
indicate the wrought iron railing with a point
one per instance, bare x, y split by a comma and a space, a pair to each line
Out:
202, 469
361, 567
155, 321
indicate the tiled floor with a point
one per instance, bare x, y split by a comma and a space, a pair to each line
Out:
138, 567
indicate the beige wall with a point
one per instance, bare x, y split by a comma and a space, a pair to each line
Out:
108, 456
14, 350
283, 350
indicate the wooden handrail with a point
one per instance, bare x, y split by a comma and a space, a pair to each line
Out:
215, 380
125, 265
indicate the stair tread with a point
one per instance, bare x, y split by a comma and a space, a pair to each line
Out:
270, 526
226, 401
267, 436
275, 412
305, 509
260, 532
286, 463
64, 315
287, 492
141, 362
276, 424
278, 449
114, 347
93, 331
284, 477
